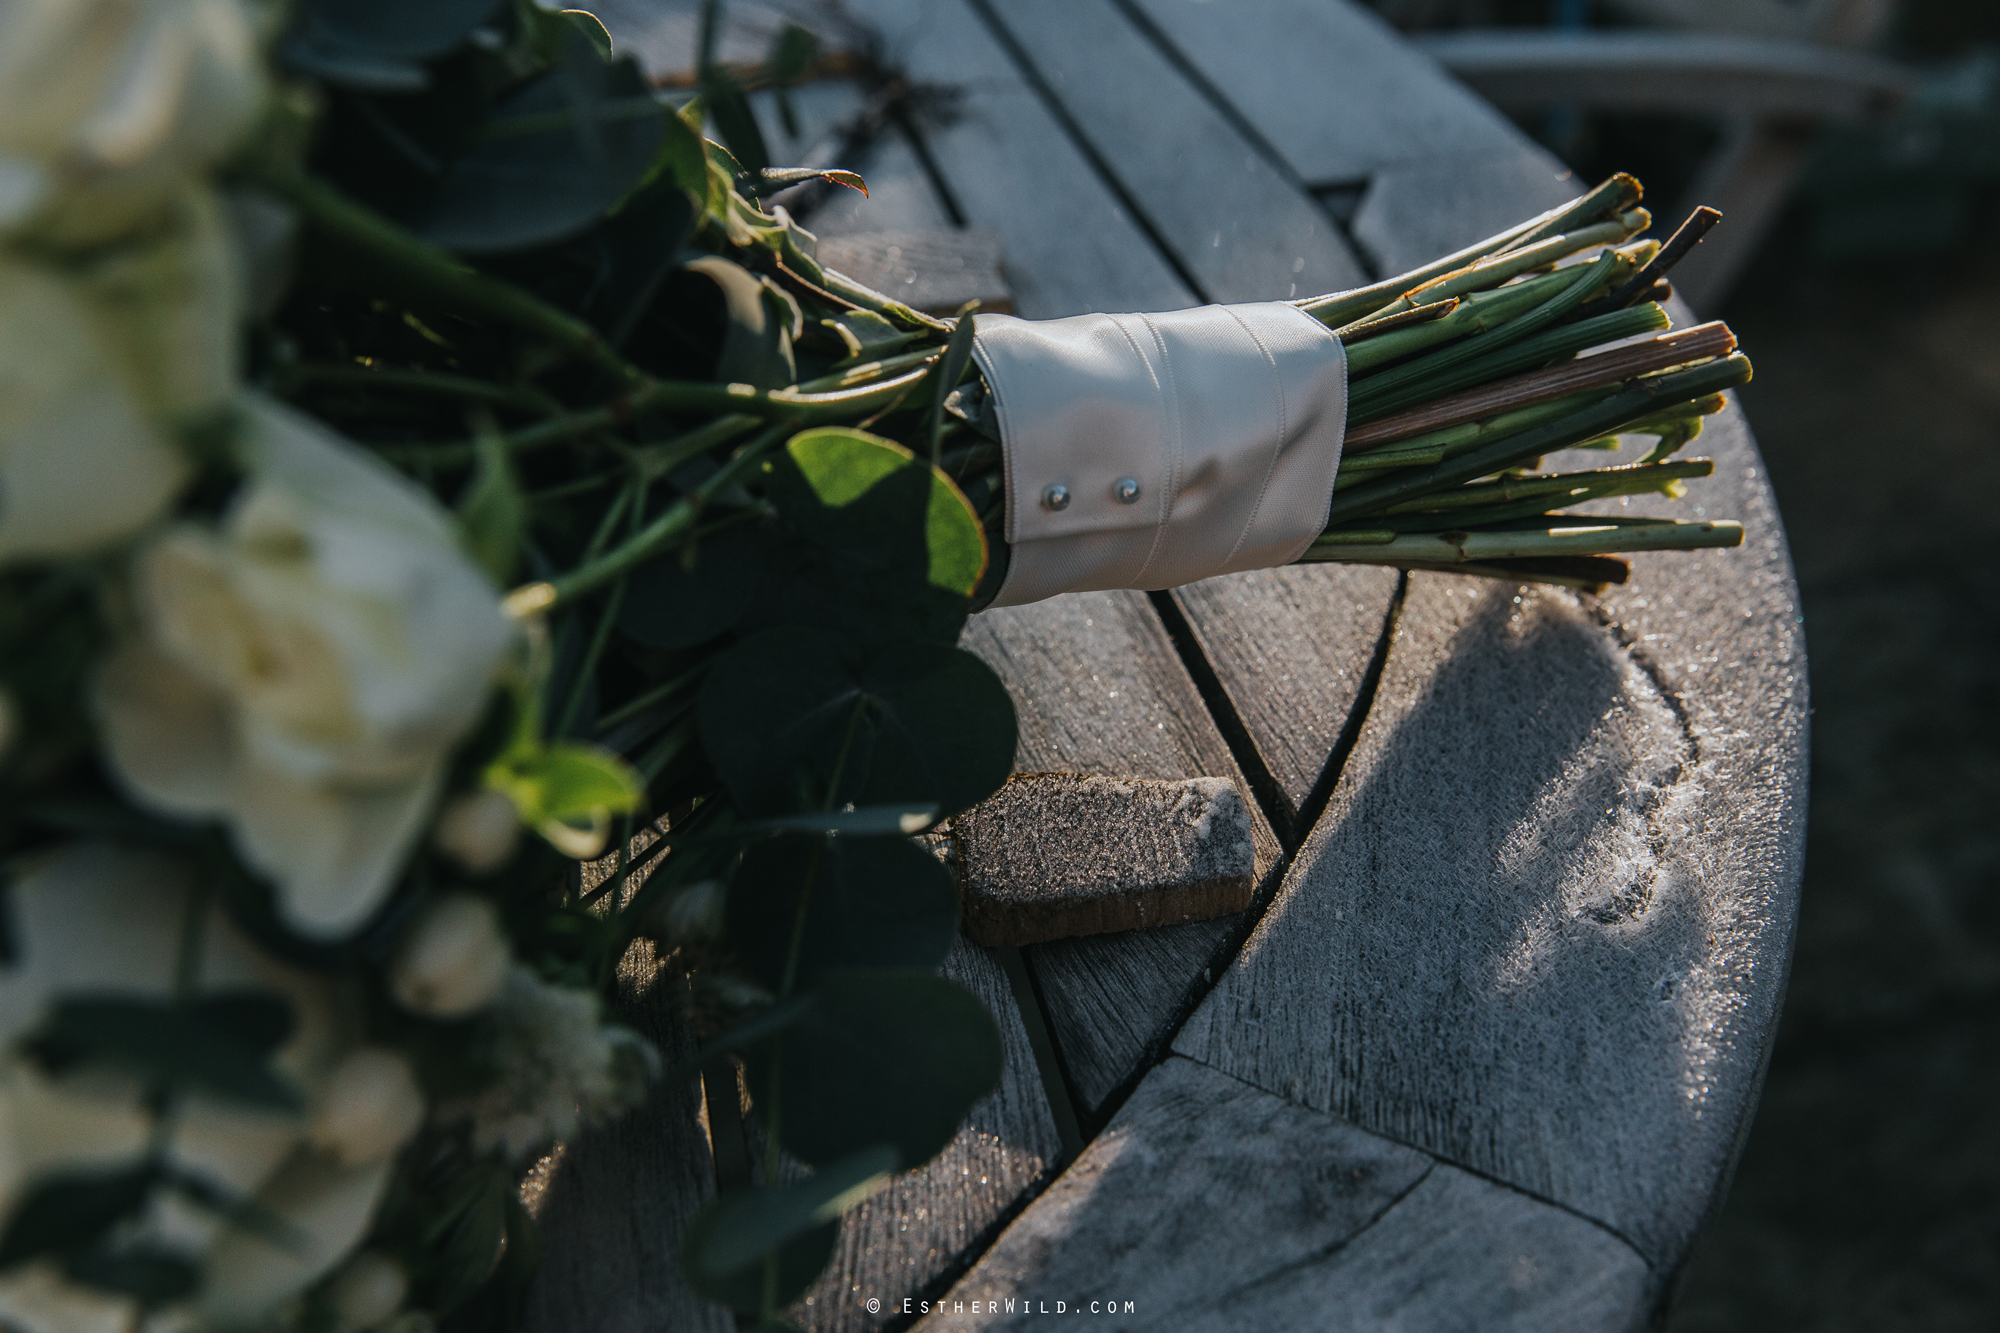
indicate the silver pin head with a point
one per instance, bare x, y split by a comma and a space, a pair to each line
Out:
1127, 490
1056, 498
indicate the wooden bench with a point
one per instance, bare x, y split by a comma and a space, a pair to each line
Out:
1482, 1052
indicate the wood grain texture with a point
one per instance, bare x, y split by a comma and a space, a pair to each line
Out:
612, 1205
927, 1220
1237, 225
1071, 246
1335, 90
1055, 855
1098, 689
1290, 648
1213, 1205
1543, 928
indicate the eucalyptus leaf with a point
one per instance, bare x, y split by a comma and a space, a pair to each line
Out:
379, 45
674, 603
869, 902
796, 717
793, 51
800, 1262
877, 542
731, 1237
224, 1050
151, 1274
473, 1247
756, 344
591, 27
68, 1211
890, 1057
557, 154
730, 109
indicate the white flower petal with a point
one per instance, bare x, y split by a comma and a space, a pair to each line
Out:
166, 733
328, 1208
35, 1299
332, 851
80, 463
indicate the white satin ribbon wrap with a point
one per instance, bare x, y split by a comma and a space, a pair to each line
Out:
1228, 418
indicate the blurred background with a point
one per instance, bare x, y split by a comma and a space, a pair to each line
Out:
1869, 1193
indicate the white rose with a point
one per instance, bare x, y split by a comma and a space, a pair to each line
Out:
82, 461
304, 672
107, 107
371, 1107
454, 959
104, 922
99, 361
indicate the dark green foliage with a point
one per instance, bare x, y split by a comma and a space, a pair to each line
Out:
890, 1056
868, 902
221, 1045
794, 718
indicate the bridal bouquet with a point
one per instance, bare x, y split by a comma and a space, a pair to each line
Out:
455, 539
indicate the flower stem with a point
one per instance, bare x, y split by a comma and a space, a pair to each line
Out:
442, 276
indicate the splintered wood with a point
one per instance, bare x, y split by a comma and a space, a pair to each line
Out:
1052, 855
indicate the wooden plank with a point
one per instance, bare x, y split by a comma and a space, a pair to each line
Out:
1290, 648
1098, 689
1071, 246
1208, 1204
1334, 89
611, 1205
1676, 73
1238, 226
932, 1220
1542, 930
900, 196
1412, 212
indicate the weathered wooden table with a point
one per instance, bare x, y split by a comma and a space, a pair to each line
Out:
1483, 1052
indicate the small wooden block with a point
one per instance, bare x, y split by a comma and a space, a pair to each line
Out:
1051, 855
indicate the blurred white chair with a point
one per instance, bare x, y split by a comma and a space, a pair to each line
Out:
1769, 70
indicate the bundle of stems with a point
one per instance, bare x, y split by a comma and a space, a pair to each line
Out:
1466, 373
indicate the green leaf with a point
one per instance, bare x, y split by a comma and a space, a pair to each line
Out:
878, 543
881, 1057
772, 179
378, 45
734, 120
800, 1262
557, 155
948, 374
567, 781
796, 718
68, 1211
757, 337
727, 1242
492, 513
683, 156
793, 51
223, 1049
870, 902
675, 603
473, 1247
591, 27
152, 1274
